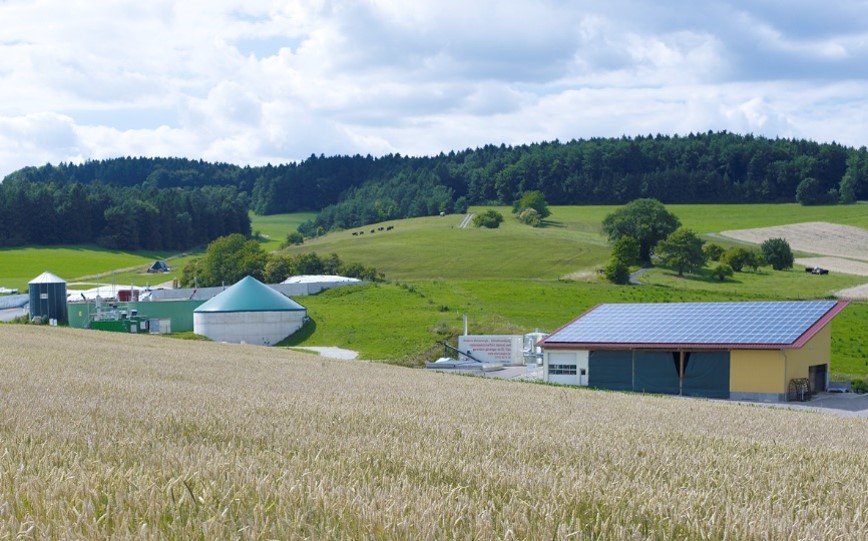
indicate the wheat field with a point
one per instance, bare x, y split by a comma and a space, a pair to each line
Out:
112, 436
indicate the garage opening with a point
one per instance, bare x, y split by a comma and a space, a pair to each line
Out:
693, 373
706, 374
655, 372
611, 370
818, 377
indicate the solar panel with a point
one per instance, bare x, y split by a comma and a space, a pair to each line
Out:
778, 322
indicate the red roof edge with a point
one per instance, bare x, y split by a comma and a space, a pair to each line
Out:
819, 324
668, 347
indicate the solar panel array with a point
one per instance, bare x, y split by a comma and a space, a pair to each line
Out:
780, 322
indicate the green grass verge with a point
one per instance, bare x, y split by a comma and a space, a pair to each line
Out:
20, 265
273, 229
792, 284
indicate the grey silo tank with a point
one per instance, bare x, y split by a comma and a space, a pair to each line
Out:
48, 298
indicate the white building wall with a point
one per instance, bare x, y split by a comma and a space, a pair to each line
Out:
259, 328
566, 367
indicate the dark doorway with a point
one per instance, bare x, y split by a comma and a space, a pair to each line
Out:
817, 377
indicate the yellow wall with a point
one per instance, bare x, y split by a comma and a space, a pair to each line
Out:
769, 371
817, 351
757, 371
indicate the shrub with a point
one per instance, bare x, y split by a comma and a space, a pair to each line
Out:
713, 251
530, 217
490, 219
737, 258
722, 271
859, 386
617, 272
777, 253
293, 239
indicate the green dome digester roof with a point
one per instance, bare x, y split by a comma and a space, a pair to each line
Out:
250, 295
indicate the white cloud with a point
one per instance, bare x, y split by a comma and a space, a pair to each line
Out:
258, 81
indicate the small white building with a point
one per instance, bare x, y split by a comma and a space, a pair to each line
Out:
249, 312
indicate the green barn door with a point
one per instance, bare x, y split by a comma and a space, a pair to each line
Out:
706, 374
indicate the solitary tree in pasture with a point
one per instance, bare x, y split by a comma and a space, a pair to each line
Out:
646, 220
777, 253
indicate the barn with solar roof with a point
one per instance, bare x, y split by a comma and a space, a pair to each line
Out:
737, 350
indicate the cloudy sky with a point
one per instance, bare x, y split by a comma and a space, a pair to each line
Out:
252, 82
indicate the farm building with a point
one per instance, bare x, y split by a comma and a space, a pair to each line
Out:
737, 350
171, 308
249, 312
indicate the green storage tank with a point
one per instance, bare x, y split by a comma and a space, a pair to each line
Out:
48, 298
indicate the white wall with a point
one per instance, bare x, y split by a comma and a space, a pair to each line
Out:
259, 328
493, 348
558, 362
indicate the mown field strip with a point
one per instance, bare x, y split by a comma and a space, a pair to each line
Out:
117, 436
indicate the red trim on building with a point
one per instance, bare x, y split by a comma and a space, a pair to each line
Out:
798, 343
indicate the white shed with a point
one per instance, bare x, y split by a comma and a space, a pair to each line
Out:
249, 312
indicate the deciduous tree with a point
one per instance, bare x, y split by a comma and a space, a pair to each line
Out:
777, 253
646, 220
682, 251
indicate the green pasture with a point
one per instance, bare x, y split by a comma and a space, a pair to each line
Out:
273, 229
509, 280
18, 266
437, 248
792, 284
716, 218
95, 265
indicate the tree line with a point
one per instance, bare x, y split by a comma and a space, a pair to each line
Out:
350, 191
118, 217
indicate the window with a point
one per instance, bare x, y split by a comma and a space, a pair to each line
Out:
562, 369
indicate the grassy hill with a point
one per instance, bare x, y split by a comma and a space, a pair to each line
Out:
510, 280
126, 436
516, 278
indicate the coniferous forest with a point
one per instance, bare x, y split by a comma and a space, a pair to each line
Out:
175, 203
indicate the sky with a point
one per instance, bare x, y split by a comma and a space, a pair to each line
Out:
254, 82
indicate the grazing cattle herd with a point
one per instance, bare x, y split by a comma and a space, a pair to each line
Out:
372, 231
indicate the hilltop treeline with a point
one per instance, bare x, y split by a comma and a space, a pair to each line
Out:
349, 191
129, 218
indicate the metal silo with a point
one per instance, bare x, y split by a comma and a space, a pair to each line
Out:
48, 298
